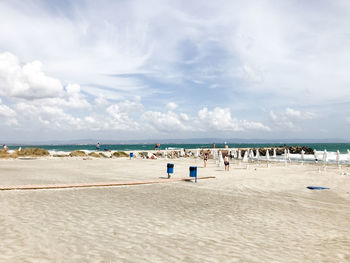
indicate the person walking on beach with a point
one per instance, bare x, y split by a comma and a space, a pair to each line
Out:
205, 158
227, 163
98, 146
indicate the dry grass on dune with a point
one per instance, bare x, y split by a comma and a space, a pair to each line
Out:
93, 154
5, 154
103, 155
120, 154
77, 154
33, 152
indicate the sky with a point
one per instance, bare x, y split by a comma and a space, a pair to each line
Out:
162, 69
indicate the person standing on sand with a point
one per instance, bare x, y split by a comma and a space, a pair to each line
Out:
227, 163
98, 146
205, 158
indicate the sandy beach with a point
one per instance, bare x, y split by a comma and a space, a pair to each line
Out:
258, 214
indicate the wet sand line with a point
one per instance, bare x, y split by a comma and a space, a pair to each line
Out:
98, 184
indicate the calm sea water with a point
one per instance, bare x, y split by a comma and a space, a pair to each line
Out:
331, 147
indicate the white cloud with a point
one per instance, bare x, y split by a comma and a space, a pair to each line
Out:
171, 106
7, 112
289, 117
28, 82
220, 119
165, 122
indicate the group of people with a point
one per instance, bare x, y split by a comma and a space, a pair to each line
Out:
157, 147
226, 161
98, 147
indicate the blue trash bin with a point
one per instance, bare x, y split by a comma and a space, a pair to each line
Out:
170, 169
131, 155
193, 172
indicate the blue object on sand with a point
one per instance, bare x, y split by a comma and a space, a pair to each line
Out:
317, 187
170, 169
193, 172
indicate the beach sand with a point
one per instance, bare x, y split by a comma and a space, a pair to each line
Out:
257, 214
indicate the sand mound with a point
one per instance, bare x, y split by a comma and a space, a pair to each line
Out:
77, 154
120, 154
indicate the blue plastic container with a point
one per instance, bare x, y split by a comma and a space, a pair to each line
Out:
170, 169
131, 155
193, 172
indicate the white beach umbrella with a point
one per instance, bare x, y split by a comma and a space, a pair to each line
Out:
234, 153
239, 154
285, 154
315, 155
274, 153
267, 155
324, 157
337, 158
245, 157
197, 153
221, 160
182, 153
251, 154
302, 155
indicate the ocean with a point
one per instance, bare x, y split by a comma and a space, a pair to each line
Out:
330, 147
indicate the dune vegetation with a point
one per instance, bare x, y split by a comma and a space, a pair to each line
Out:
77, 154
120, 154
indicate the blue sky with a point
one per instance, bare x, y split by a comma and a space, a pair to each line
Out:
174, 69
